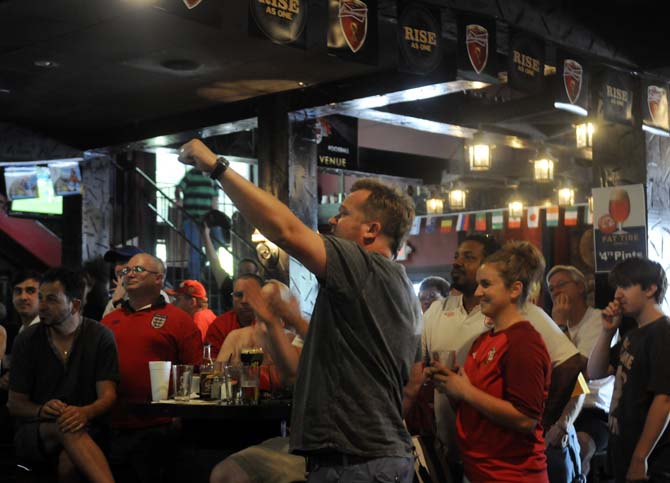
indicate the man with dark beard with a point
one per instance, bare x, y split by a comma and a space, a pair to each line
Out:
242, 314
64, 377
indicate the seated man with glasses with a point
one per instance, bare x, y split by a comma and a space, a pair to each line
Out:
242, 314
146, 328
582, 324
120, 257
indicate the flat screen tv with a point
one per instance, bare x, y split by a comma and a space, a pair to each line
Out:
46, 203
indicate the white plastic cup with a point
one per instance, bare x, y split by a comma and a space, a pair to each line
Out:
159, 372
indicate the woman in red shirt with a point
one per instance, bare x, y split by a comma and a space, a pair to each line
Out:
500, 393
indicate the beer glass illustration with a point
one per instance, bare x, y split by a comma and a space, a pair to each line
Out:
619, 208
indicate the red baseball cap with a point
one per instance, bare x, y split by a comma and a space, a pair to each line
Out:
190, 287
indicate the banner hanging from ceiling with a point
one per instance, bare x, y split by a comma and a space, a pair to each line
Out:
654, 100
208, 12
615, 99
352, 30
620, 225
337, 142
420, 38
477, 48
525, 62
282, 21
573, 81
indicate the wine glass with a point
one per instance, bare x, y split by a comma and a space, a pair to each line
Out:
619, 208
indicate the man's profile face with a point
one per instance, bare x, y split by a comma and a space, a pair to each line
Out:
350, 222
54, 307
467, 259
245, 314
25, 298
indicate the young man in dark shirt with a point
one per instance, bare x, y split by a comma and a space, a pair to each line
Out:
639, 443
63, 379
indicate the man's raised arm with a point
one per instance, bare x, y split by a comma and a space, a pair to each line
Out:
273, 218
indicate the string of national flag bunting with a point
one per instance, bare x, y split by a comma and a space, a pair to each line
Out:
482, 222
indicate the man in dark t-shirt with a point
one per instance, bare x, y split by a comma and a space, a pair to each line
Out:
639, 443
364, 333
63, 381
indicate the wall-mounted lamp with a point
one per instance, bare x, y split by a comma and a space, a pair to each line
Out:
515, 208
543, 169
457, 197
584, 135
566, 196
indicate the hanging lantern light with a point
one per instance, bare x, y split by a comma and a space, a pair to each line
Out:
479, 156
515, 208
584, 135
543, 169
566, 196
479, 153
457, 197
434, 206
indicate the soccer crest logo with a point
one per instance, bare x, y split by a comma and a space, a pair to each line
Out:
353, 15
572, 79
477, 44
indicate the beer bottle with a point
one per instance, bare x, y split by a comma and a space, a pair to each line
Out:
206, 372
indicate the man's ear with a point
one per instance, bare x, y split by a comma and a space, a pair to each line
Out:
373, 231
650, 291
76, 306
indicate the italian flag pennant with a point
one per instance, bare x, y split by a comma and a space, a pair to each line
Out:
552, 215
445, 225
533, 220
571, 215
514, 222
497, 220
480, 222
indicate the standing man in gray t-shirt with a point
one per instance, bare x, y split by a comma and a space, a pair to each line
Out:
365, 330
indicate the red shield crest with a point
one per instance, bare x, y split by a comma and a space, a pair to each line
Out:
477, 43
572, 79
657, 101
353, 16
192, 3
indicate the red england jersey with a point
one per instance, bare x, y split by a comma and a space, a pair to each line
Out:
161, 332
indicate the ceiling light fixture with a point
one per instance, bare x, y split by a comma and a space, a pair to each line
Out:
46, 64
434, 206
515, 208
566, 196
584, 135
457, 199
543, 167
479, 153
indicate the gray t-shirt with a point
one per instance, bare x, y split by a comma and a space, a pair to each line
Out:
363, 338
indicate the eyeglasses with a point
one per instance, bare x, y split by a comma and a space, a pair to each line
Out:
428, 296
560, 284
137, 269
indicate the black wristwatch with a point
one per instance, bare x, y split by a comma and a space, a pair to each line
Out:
220, 168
